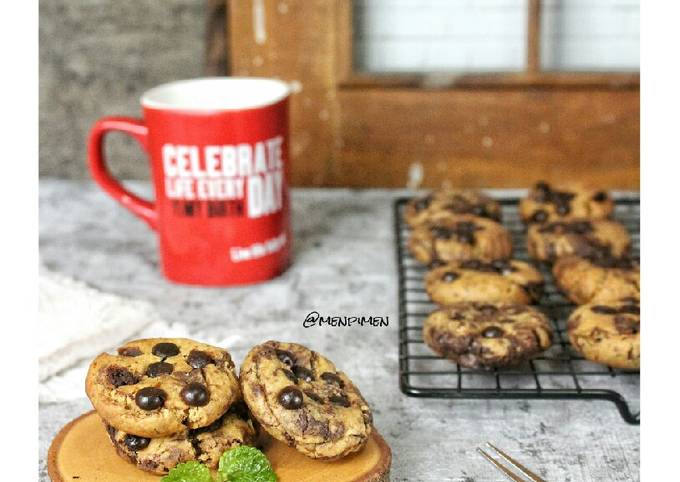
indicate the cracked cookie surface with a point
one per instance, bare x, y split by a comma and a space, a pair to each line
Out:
159, 455
597, 279
581, 237
300, 398
607, 332
487, 335
162, 386
546, 203
453, 201
449, 237
473, 280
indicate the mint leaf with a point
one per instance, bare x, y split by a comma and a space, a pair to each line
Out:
189, 472
245, 464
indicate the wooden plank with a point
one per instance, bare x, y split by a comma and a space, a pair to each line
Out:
294, 40
345, 41
510, 80
487, 138
534, 37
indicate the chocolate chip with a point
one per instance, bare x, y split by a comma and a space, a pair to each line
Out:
539, 216
131, 351
473, 264
541, 192
164, 350
195, 395
313, 396
456, 315
465, 232
604, 259
604, 310
600, 196
119, 376
135, 443
199, 359
290, 398
304, 374
150, 398
630, 309
340, 400
290, 375
582, 227
159, 368
466, 238
492, 332
449, 276
566, 227
286, 357
562, 209
441, 232
333, 379
627, 325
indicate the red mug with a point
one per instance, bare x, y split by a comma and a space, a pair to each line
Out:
219, 161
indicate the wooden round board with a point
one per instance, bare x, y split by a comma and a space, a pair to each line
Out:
82, 451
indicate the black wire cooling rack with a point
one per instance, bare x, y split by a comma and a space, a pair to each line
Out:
559, 373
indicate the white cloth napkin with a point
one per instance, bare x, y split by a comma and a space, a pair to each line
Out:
77, 322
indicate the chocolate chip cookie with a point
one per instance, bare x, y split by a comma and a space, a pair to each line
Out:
159, 455
487, 335
546, 203
608, 333
301, 398
453, 201
161, 386
597, 279
512, 281
450, 237
586, 238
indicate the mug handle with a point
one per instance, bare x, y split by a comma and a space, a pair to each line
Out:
141, 208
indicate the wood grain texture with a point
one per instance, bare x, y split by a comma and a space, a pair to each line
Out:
492, 130
489, 137
82, 450
295, 41
534, 36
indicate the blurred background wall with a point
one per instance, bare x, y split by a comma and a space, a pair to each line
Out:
96, 58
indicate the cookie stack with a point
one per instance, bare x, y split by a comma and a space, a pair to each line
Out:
168, 401
485, 318
570, 226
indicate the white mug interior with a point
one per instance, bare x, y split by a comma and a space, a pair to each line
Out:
216, 94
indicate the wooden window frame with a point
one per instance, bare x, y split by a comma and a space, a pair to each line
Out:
532, 76
352, 129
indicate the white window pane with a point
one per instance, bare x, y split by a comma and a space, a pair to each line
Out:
440, 35
590, 35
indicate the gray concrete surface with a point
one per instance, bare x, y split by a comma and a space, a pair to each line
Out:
96, 58
344, 264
